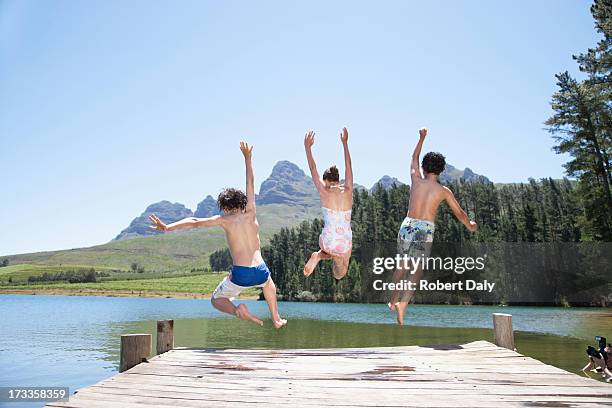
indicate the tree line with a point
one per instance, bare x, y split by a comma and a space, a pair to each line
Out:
546, 212
71, 276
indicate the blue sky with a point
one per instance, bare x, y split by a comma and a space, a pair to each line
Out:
108, 106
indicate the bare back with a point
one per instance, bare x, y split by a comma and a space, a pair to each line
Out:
425, 198
242, 235
426, 193
336, 197
238, 221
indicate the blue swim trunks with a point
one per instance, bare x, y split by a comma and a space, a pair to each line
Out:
250, 275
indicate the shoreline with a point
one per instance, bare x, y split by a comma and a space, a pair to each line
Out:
112, 293
194, 295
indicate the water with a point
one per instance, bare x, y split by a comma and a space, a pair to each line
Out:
74, 341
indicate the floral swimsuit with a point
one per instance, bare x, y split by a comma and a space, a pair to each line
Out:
337, 236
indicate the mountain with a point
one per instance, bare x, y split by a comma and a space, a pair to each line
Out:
386, 182
165, 210
451, 173
287, 184
285, 199
207, 208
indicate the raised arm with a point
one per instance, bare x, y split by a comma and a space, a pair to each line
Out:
458, 211
415, 166
348, 166
309, 140
185, 223
247, 151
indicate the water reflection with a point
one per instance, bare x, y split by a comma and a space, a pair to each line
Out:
73, 341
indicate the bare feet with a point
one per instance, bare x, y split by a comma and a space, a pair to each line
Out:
400, 316
340, 267
279, 323
400, 309
242, 312
311, 264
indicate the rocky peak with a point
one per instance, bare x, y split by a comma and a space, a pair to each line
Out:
451, 173
207, 208
287, 184
386, 182
287, 171
168, 212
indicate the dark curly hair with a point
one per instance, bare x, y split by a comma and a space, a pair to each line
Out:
433, 162
232, 199
331, 174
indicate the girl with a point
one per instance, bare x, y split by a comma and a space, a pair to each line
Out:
336, 240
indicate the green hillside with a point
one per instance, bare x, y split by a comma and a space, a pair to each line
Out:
196, 285
176, 251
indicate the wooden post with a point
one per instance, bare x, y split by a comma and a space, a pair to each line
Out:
502, 329
165, 335
135, 348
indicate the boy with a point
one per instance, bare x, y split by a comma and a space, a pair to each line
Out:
242, 233
416, 232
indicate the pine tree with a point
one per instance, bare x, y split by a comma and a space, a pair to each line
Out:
582, 126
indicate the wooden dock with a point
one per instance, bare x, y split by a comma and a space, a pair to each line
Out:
478, 374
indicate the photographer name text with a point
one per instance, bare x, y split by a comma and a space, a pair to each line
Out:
470, 285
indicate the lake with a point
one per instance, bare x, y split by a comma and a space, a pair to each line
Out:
74, 341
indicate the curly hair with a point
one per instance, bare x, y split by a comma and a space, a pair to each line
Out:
433, 162
331, 174
232, 199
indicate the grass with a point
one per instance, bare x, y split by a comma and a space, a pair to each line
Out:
168, 259
198, 284
174, 253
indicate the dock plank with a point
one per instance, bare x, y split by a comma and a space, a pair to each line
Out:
477, 374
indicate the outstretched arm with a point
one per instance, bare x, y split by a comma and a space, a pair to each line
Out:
309, 140
185, 223
247, 151
458, 211
348, 167
415, 168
